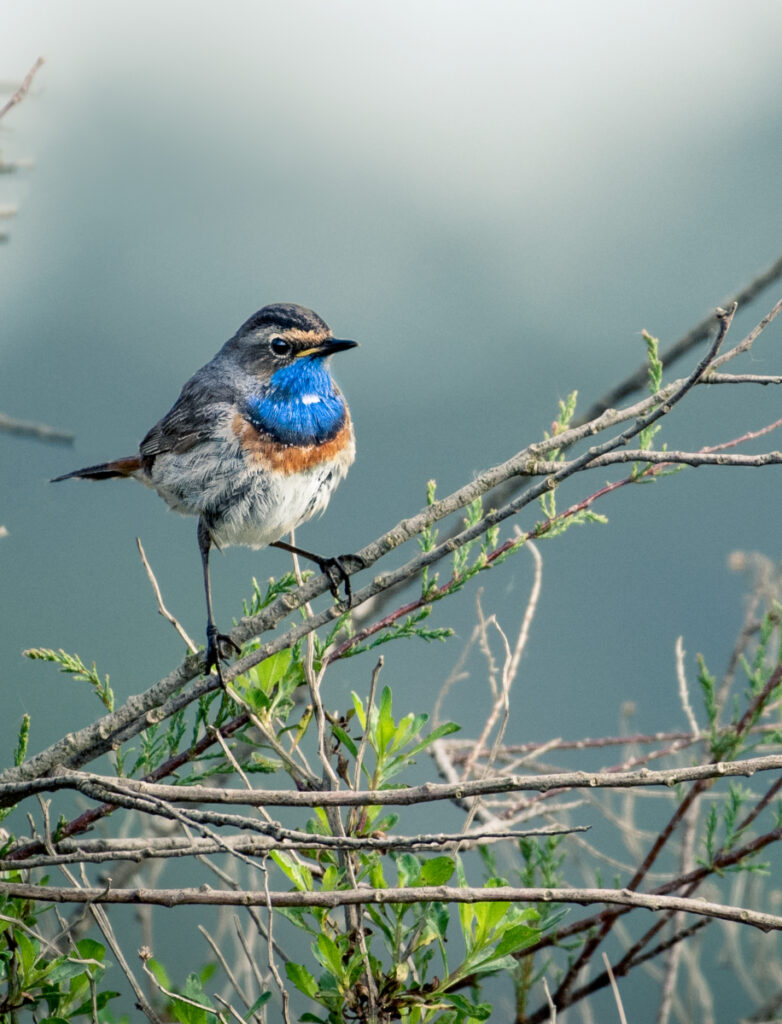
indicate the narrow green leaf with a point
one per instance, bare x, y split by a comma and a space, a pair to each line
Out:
299, 976
328, 954
474, 1011
516, 938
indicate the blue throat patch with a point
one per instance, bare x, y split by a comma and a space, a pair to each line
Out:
299, 405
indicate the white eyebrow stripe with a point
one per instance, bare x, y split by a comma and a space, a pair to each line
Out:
310, 399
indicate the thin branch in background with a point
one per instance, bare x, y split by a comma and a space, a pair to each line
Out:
615, 990
225, 966
270, 946
23, 89
251, 959
684, 695
509, 669
457, 673
562, 994
637, 380
234, 1013
674, 955
550, 1001
162, 610
9, 425
38, 431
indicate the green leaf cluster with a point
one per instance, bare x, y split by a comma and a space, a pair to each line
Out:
36, 978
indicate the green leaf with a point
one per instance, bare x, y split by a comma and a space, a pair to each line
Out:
328, 954
299, 976
358, 704
466, 910
488, 916
27, 950
475, 1011
385, 722
159, 972
262, 999
89, 949
442, 730
516, 938
436, 871
272, 669
187, 1014
65, 971
299, 874
345, 739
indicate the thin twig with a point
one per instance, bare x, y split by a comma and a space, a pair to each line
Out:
637, 380
162, 610
550, 1001
39, 431
329, 899
23, 89
269, 903
615, 990
684, 696
225, 966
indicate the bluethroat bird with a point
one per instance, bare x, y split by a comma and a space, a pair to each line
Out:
255, 444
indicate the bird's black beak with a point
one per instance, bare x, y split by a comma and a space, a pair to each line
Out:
327, 348
337, 345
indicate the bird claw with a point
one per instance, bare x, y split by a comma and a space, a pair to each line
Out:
338, 569
219, 647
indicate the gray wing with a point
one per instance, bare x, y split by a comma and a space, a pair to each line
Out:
204, 400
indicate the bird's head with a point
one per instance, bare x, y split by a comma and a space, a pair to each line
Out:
283, 343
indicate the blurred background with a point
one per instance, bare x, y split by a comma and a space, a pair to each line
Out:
494, 200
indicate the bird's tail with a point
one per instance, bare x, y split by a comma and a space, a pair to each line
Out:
120, 467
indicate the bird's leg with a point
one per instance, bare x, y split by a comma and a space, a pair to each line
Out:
335, 568
215, 642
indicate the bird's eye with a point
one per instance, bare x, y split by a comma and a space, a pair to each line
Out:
280, 347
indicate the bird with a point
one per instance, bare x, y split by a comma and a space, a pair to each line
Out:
255, 445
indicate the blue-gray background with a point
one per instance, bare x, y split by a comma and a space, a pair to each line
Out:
494, 199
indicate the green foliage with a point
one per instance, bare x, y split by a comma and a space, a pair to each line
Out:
261, 599
647, 435
655, 363
394, 744
191, 1004
72, 665
21, 745
37, 979
19, 755
411, 971
557, 523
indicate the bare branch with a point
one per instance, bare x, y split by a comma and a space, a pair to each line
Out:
122, 790
637, 380
332, 898
162, 610
39, 431
23, 89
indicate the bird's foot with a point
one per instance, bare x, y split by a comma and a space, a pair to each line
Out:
338, 570
219, 647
